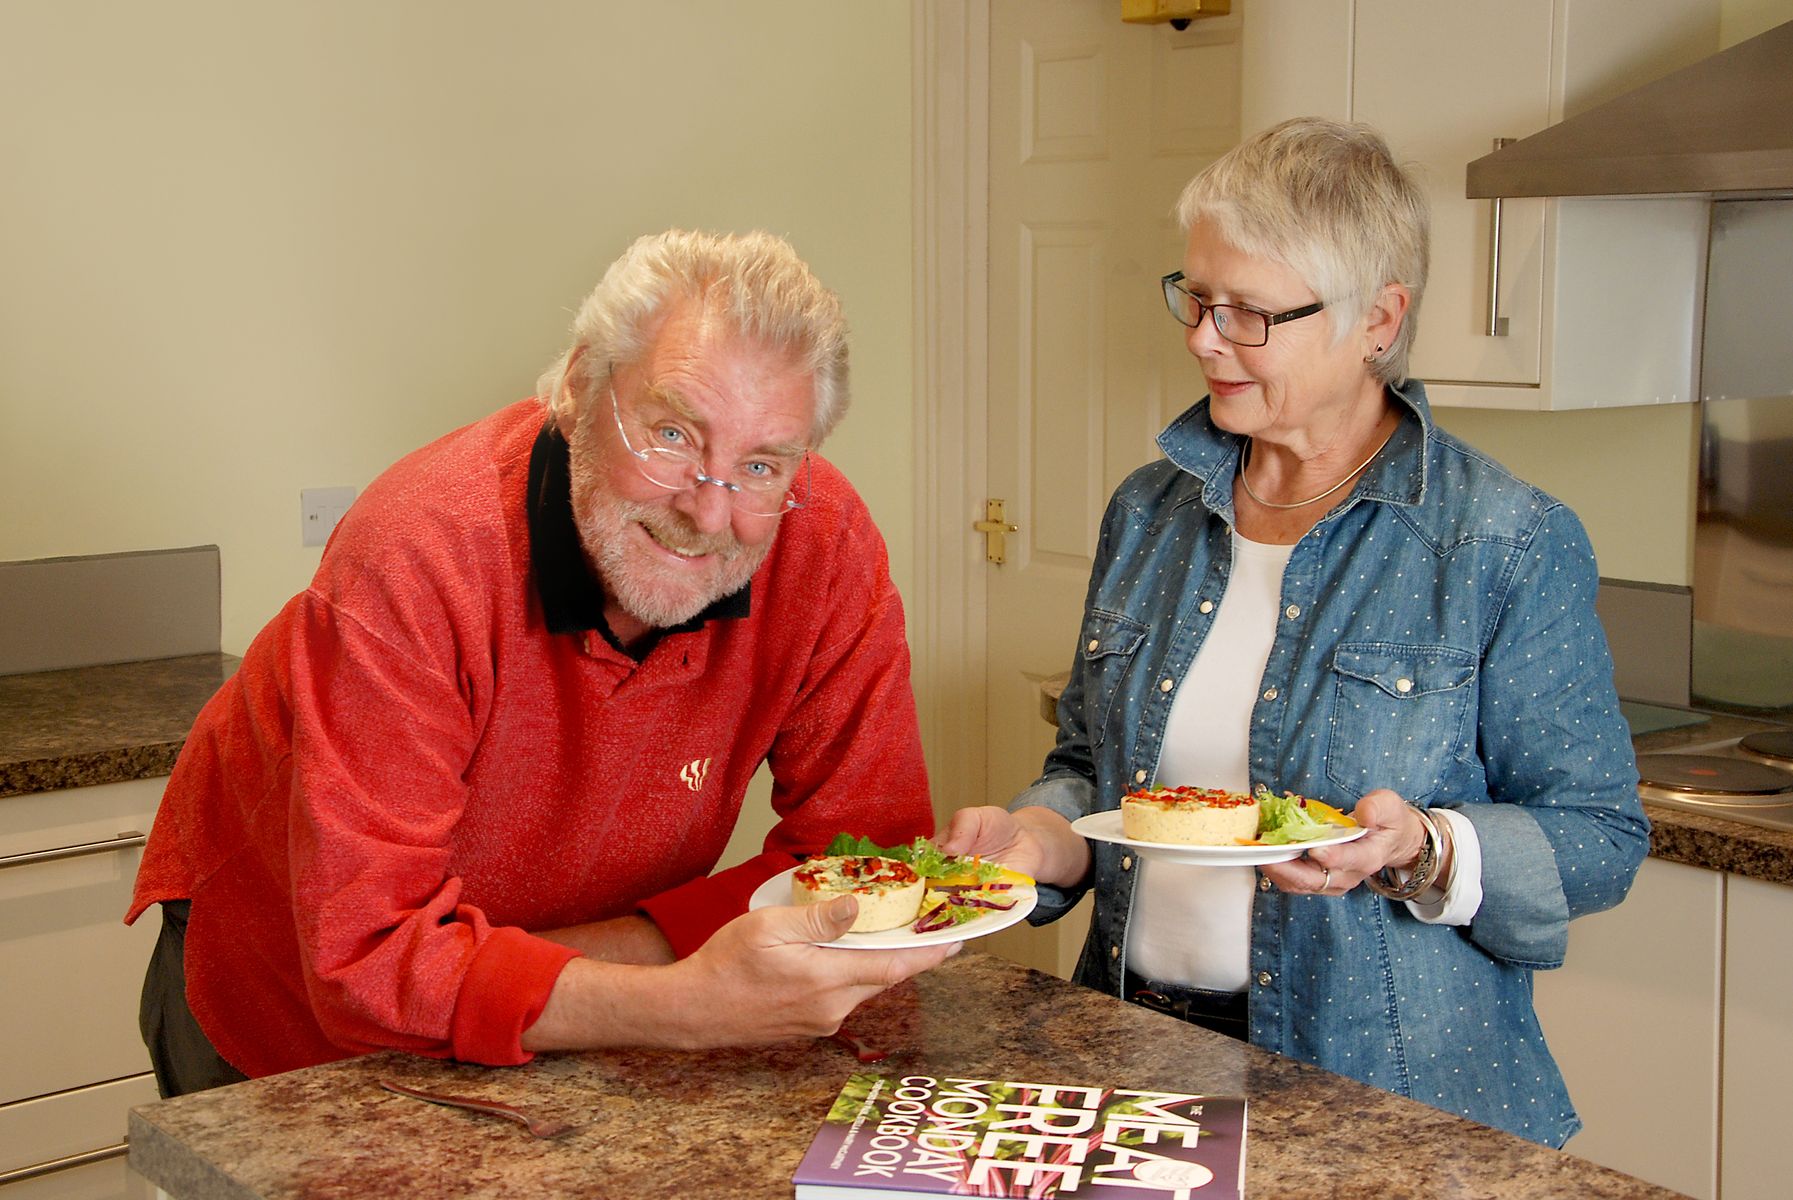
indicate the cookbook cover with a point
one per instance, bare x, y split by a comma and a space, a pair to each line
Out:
917, 1135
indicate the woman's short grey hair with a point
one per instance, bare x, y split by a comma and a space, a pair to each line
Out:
1327, 200
753, 281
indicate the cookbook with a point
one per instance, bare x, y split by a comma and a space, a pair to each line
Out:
919, 1135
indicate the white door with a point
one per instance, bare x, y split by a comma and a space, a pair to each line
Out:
1094, 127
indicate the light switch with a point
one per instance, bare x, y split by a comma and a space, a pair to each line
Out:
319, 511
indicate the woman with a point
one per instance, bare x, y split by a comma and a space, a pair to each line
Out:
1320, 591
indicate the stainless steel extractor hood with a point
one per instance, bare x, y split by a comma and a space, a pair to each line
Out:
1723, 126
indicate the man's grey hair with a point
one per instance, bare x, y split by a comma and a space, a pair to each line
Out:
753, 281
1328, 201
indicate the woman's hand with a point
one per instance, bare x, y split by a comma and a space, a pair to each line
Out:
1396, 836
1035, 841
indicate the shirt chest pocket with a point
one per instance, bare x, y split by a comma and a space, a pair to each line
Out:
1110, 642
1399, 716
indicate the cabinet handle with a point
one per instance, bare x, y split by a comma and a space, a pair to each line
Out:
123, 841
54, 1165
1497, 324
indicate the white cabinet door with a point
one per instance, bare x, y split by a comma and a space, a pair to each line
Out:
1633, 1020
74, 970
43, 1142
1595, 300
1758, 1041
1442, 81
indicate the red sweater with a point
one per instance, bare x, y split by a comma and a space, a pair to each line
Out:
410, 771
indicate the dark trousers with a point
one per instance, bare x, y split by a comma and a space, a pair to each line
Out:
1222, 1012
184, 1058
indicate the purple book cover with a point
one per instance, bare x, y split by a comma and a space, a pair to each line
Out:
926, 1136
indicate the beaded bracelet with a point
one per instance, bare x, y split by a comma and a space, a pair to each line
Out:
1384, 882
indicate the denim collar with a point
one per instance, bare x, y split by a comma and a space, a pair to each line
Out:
1398, 476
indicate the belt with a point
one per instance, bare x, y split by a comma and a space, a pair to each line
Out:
1223, 1012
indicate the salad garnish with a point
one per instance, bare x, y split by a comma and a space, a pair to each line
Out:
960, 889
1291, 818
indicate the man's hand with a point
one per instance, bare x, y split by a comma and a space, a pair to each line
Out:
1395, 837
762, 978
1035, 841
781, 985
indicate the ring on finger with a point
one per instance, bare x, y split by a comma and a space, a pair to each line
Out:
1326, 879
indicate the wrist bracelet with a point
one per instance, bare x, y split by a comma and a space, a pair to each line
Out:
1447, 860
1386, 883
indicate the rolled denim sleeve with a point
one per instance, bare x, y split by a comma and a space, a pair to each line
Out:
1070, 796
1565, 833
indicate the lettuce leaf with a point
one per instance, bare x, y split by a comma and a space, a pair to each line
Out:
922, 855
1284, 819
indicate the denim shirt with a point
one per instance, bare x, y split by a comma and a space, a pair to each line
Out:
1437, 636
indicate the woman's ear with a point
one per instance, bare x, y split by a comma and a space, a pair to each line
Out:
1382, 325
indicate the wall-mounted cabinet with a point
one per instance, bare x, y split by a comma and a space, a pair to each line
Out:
1532, 303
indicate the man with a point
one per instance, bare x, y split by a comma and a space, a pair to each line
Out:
462, 797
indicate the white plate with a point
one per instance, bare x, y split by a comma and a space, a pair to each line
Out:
1106, 827
777, 890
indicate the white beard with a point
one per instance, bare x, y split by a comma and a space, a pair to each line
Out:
644, 588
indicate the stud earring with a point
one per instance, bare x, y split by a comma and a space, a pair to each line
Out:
1370, 358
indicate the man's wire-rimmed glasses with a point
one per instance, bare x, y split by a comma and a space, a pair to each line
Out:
1238, 324
764, 487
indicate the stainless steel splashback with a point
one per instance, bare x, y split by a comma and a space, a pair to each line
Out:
1743, 534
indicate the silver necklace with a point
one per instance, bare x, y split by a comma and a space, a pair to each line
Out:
1245, 461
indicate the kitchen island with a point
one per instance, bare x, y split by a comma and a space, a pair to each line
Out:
736, 1122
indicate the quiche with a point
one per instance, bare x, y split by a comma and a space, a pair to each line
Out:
1189, 816
889, 892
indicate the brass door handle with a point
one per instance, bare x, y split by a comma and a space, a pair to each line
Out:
995, 527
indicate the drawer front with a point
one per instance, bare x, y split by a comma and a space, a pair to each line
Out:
74, 970
50, 1129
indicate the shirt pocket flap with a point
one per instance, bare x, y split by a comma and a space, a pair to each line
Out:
1405, 672
1107, 634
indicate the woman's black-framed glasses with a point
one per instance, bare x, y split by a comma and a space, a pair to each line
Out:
769, 487
1236, 323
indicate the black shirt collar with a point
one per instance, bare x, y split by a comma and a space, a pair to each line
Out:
572, 598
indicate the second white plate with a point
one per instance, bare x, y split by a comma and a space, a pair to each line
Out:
1106, 827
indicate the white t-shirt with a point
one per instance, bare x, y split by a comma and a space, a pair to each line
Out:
1191, 925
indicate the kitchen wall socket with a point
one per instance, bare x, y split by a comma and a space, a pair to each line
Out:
319, 511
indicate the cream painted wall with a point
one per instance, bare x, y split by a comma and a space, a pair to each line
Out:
251, 248
1629, 473
1741, 19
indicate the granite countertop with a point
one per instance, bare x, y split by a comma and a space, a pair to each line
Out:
106, 724
736, 1122
1677, 835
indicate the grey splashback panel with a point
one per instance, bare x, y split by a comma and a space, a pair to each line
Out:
1650, 629
57, 613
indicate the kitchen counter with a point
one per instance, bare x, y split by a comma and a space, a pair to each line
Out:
1701, 840
105, 724
1694, 838
735, 1123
